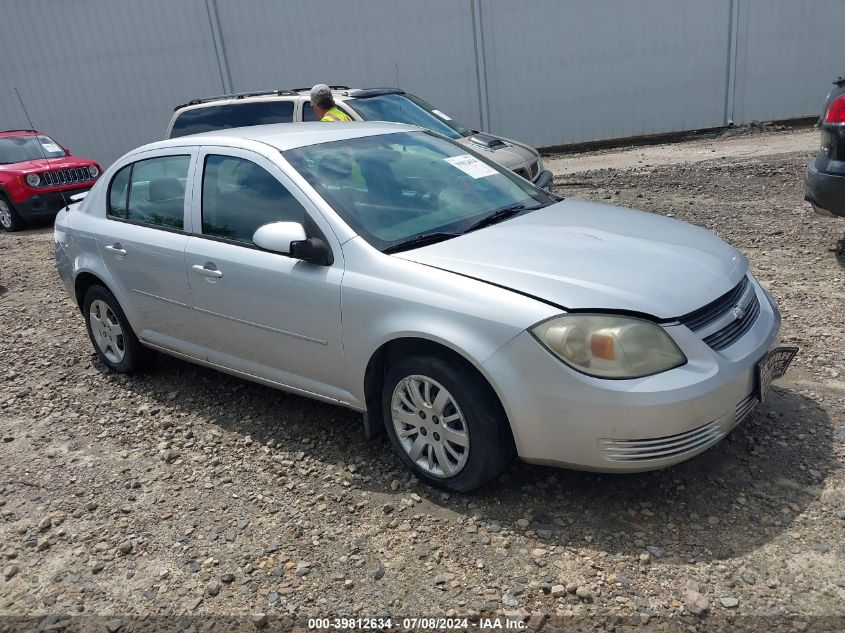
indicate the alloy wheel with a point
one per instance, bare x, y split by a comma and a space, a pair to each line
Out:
430, 426
106, 330
5, 215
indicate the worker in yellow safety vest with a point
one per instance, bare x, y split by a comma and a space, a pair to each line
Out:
322, 102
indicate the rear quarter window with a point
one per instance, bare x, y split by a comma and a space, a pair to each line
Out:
220, 117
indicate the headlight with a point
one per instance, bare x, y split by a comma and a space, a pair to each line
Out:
93, 171
610, 346
33, 180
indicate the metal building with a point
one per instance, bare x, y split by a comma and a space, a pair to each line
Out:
104, 75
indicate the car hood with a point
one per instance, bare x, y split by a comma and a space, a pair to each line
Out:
502, 150
39, 164
583, 255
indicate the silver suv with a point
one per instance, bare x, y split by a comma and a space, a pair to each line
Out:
373, 104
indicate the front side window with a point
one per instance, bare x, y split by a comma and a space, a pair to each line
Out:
308, 113
211, 118
391, 188
151, 192
238, 196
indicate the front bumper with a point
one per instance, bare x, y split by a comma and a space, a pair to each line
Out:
47, 204
560, 417
826, 192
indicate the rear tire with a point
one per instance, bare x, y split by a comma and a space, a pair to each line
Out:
110, 333
446, 423
10, 221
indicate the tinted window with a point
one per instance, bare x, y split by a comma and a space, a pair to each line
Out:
118, 189
238, 196
308, 113
156, 191
232, 115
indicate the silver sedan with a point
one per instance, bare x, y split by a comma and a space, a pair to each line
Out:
467, 313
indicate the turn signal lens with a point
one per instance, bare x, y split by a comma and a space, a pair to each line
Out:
607, 346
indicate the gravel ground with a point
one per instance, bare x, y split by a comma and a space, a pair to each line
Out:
185, 492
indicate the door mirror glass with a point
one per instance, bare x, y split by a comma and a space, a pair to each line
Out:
277, 236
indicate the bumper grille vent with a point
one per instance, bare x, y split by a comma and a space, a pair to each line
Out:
662, 447
744, 408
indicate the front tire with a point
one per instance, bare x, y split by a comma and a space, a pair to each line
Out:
446, 423
110, 333
10, 221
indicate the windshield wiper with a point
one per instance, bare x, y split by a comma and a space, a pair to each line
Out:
499, 216
419, 240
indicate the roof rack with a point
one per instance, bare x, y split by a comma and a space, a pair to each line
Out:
330, 88
236, 95
4, 131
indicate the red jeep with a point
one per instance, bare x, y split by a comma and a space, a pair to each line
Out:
38, 176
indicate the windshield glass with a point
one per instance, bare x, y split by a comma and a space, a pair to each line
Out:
405, 108
394, 187
17, 149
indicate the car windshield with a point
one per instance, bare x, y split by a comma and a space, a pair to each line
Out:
396, 188
17, 149
405, 108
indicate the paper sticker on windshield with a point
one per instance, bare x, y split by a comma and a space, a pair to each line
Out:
443, 116
471, 166
51, 147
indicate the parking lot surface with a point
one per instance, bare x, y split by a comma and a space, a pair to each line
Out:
182, 491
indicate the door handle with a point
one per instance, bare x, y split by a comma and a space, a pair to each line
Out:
206, 272
115, 248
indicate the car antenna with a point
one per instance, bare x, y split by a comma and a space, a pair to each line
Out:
38, 141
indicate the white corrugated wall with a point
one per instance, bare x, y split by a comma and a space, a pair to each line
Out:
104, 75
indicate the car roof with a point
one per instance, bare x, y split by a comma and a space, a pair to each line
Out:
6, 133
285, 136
340, 93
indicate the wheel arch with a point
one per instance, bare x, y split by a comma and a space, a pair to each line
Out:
83, 281
406, 345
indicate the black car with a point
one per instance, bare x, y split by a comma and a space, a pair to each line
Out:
824, 186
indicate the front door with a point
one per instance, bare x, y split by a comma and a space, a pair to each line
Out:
259, 312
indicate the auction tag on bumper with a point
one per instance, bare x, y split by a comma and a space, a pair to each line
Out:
772, 367
471, 166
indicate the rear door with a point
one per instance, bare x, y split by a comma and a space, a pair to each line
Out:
262, 313
142, 241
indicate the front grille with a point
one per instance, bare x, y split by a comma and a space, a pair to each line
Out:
661, 447
744, 408
740, 300
732, 332
700, 318
59, 177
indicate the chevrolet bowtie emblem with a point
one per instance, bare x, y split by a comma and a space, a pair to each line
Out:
738, 312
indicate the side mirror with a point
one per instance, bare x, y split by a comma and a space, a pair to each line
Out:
277, 236
313, 250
